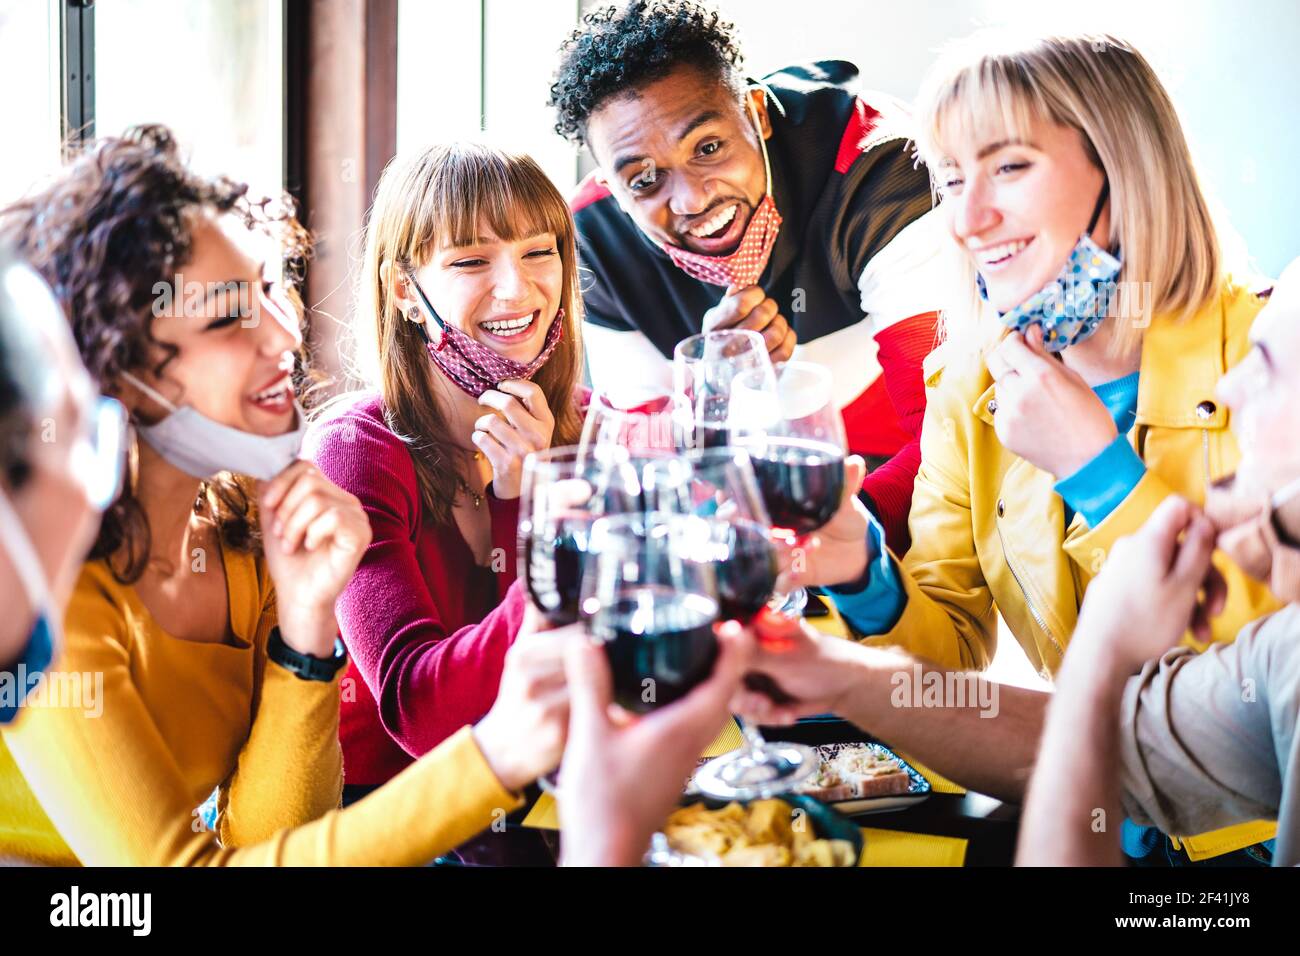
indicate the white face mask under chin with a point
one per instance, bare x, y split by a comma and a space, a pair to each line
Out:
202, 448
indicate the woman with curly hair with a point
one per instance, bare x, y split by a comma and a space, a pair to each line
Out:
204, 618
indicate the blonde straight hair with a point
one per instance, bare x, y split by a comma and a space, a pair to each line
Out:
992, 85
444, 196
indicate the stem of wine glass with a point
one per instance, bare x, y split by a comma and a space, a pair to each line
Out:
752, 736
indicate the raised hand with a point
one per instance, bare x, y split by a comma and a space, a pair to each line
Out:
313, 536
519, 423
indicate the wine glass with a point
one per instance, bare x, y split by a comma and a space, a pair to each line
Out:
704, 367
794, 433
643, 429
718, 484
649, 595
563, 492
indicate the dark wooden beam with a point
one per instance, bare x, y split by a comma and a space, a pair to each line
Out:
341, 130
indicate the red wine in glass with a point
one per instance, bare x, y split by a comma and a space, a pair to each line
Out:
802, 481
554, 555
660, 644
747, 574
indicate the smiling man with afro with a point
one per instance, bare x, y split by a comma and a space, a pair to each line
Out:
841, 260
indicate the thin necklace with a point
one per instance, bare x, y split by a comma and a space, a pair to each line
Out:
464, 485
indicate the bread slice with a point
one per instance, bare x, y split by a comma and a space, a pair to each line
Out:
857, 773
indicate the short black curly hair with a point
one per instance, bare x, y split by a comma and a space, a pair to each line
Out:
620, 48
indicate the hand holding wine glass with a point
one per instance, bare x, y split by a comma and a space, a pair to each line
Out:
522, 736
704, 368
794, 433
837, 553
623, 775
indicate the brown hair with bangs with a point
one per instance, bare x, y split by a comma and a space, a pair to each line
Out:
445, 196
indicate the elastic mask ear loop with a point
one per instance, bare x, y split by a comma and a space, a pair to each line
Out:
150, 391
1096, 210
23, 556
762, 142
424, 300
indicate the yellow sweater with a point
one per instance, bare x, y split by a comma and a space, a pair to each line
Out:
115, 778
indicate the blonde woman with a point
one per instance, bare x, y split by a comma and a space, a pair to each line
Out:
1073, 419
467, 345
1073, 203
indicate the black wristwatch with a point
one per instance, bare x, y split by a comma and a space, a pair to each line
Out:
305, 666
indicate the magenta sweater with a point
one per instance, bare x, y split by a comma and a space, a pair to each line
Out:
426, 627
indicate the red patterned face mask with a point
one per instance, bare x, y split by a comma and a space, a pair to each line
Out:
474, 367
745, 266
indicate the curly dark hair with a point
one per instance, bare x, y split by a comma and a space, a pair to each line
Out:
117, 221
621, 48
17, 415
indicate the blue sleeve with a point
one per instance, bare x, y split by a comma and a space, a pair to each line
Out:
874, 603
15, 683
1097, 489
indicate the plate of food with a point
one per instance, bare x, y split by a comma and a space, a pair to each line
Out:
864, 777
793, 830
858, 777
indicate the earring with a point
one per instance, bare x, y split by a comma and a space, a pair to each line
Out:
414, 314
133, 461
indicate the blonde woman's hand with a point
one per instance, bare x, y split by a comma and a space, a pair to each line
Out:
1046, 413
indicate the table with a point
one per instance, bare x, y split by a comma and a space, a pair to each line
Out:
988, 825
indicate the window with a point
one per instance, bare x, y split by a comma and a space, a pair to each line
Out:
212, 70
29, 75
482, 71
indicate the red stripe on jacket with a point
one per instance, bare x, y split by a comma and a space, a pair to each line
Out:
902, 350
588, 192
852, 143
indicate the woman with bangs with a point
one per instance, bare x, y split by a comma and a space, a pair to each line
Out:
200, 655
467, 348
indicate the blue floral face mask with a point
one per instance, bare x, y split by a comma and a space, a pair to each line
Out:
1071, 307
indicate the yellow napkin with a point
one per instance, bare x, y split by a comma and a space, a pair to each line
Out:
898, 848
937, 783
546, 816
729, 738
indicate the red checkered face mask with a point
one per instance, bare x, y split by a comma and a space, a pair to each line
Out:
744, 266
474, 367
